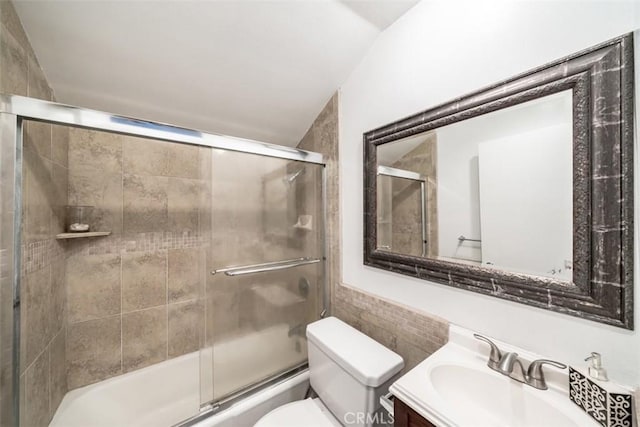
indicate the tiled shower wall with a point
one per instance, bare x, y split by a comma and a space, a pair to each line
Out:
134, 297
406, 212
322, 137
411, 334
45, 172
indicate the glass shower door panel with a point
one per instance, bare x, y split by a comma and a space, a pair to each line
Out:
267, 250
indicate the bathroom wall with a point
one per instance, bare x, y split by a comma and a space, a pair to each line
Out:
44, 190
134, 297
322, 137
412, 334
490, 41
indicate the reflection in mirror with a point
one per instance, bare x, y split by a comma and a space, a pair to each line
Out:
495, 190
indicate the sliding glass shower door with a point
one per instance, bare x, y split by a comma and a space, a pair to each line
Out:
266, 269
132, 304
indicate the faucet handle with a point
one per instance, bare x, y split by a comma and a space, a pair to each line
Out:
535, 374
495, 356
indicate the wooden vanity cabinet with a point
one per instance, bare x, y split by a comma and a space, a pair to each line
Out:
404, 416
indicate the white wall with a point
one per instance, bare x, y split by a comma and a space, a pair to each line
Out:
441, 50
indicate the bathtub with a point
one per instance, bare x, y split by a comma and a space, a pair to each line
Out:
167, 393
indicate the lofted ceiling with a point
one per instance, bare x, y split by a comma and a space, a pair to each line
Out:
255, 69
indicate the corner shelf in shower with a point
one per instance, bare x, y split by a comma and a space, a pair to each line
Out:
63, 236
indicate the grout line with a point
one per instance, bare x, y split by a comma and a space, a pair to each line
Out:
190, 300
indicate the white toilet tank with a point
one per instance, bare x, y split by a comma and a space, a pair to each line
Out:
350, 371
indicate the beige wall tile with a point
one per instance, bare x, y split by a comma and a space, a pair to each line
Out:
205, 155
13, 58
38, 200
183, 161
57, 370
6, 369
23, 392
185, 274
185, 327
60, 198
60, 145
37, 82
44, 192
412, 334
36, 408
58, 294
94, 152
37, 308
144, 156
322, 137
159, 158
93, 286
183, 204
10, 19
93, 351
102, 191
144, 280
144, 338
6, 409
37, 138
145, 203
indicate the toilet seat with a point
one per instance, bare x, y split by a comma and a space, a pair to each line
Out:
307, 413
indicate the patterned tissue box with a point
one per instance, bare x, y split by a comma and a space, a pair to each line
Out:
608, 408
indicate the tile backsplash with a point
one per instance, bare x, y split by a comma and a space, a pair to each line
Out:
412, 334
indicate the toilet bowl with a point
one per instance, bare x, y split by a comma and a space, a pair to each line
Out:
307, 413
349, 371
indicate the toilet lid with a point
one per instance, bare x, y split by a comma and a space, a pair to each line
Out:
307, 413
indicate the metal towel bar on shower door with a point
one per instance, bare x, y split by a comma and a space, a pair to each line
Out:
268, 266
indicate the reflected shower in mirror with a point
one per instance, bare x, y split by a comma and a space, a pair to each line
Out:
494, 190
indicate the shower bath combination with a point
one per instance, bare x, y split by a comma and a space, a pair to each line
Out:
188, 270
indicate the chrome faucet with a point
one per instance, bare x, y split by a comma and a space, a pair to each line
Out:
506, 363
495, 356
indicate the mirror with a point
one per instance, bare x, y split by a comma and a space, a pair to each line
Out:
522, 190
494, 190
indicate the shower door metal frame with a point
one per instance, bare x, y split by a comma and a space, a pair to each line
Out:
412, 176
15, 109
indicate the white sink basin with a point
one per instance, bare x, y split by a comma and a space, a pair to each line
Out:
495, 398
454, 387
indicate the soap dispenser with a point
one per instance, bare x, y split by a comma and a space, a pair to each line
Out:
596, 371
608, 403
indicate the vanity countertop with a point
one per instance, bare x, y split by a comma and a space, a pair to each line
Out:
454, 387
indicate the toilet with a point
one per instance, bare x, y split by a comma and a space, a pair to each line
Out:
349, 372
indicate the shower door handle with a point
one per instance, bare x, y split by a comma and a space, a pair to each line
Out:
268, 266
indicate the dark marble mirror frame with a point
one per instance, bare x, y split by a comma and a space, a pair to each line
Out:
601, 79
